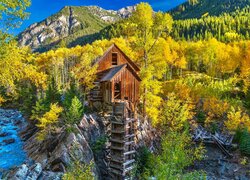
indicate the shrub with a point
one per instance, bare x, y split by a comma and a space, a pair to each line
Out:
175, 114
48, 120
237, 119
99, 144
69, 95
143, 163
244, 142
39, 109
79, 171
177, 154
2, 100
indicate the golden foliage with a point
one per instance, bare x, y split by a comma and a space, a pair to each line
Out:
2, 100
16, 65
237, 119
214, 108
46, 122
175, 114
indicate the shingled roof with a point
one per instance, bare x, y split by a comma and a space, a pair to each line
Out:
115, 71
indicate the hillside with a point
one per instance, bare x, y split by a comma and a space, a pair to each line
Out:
226, 27
198, 8
73, 24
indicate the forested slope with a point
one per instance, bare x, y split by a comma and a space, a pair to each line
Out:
198, 8
225, 27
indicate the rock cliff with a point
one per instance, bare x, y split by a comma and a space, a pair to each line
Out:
70, 24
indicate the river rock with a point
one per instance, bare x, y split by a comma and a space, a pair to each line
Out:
49, 175
19, 173
4, 134
9, 141
34, 171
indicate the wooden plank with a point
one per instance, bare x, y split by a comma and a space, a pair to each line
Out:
117, 148
128, 162
129, 152
117, 140
129, 169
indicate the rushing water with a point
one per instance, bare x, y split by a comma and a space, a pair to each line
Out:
11, 146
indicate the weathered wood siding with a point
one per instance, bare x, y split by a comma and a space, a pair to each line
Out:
129, 86
106, 62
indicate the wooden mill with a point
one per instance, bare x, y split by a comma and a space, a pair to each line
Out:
117, 87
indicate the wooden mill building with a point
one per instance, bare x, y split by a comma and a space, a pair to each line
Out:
117, 78
117, 86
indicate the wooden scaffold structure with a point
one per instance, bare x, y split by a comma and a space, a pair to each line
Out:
123, 123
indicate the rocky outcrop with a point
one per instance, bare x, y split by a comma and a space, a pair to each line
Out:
218, 166
126, 11
32, 172
70, 23
111, 15
51, 29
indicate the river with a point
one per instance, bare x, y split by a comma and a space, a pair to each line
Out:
11, 146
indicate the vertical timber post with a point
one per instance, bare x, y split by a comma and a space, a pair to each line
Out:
123, 127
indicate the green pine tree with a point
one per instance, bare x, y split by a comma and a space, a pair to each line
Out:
75, 112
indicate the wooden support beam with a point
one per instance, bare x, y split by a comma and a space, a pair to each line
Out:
117, 140
117, 148
129, 152
128, 162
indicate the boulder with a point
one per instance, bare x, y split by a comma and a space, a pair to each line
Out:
49, 175
4, 134
9, 141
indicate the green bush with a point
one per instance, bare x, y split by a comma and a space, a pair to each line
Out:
27, 99
247, 100
244, 141
143, 163
99, 144
39, 109
69, 95
79, 171
177, 153
201, 116
52, 93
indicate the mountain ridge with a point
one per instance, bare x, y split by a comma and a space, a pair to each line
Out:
78, 25
72, 22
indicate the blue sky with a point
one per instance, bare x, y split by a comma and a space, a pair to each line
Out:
40, 9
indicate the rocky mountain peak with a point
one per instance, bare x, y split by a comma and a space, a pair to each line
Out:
126, 11
70, 22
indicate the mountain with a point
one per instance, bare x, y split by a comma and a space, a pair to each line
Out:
200, 8
72, 24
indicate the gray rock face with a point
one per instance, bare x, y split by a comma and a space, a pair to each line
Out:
111, 15
126, 12
33, 172
51, 28
67, 22
218, 166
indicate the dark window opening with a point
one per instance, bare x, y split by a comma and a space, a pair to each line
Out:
114, 59
118, 90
